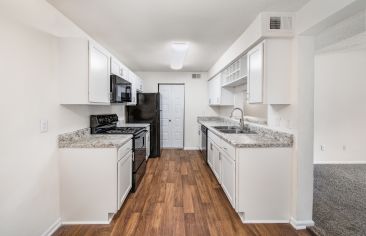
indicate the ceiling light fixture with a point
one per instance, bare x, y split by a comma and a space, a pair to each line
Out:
179, 52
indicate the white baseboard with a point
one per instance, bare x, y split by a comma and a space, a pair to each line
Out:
265, 221
191, 148
339, 162
52, 228
301, 224
85, 222
242, 218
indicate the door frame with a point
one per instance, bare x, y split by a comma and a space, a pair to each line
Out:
184, 107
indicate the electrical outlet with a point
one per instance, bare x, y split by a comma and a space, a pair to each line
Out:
43, 126
322, 148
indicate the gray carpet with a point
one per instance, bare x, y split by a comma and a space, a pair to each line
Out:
340, 200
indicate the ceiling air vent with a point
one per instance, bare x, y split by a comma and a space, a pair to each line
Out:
280, 23
275, 22
196, 76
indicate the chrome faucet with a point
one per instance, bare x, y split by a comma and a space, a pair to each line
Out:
242, 116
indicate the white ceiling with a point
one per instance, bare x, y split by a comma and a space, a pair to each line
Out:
139, 32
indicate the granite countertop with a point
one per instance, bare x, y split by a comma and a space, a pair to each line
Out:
265, 137
83, 139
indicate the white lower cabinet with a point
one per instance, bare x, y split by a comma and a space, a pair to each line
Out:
256, 181
210, 153
228, 177
217, 162
223, 166
94, 183
124, 172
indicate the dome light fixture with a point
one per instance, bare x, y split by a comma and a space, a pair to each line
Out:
179, 52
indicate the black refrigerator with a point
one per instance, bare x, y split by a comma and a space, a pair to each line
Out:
147, 110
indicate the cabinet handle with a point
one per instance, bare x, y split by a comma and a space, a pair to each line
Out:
211, 146
209, 101
219, 157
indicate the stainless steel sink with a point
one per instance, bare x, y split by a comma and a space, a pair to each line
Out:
234, 130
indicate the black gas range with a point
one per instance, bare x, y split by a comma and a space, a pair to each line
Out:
107, 124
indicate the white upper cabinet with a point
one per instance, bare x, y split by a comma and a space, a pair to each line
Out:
139, 84
136, 86
133, 80
218, 95
116, 67
84, 72
236, 73
99, 75
269, 72
255, 74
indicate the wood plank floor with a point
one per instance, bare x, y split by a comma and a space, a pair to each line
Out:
179, 195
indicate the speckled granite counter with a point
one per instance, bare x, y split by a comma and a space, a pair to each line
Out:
265, 137
83, 139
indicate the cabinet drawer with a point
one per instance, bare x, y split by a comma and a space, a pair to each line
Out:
228, 149
122, 151
216, 139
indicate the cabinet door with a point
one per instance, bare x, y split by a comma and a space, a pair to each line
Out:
133, 80
139, 84
210, 153
255, 74
115, 67
217, 163
124, 178
214, 90
210, 92
228, 177
99, 72
217, 90
199, 137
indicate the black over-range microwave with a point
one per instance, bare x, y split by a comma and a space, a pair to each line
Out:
120, 90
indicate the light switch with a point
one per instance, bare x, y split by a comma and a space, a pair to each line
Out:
43, 126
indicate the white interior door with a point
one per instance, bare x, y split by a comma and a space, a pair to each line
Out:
171, 115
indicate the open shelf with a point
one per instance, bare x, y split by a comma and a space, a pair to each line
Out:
242, 80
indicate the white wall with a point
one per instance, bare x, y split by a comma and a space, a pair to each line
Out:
340, 112
240, 100
29, 198
196, 99
250, 36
